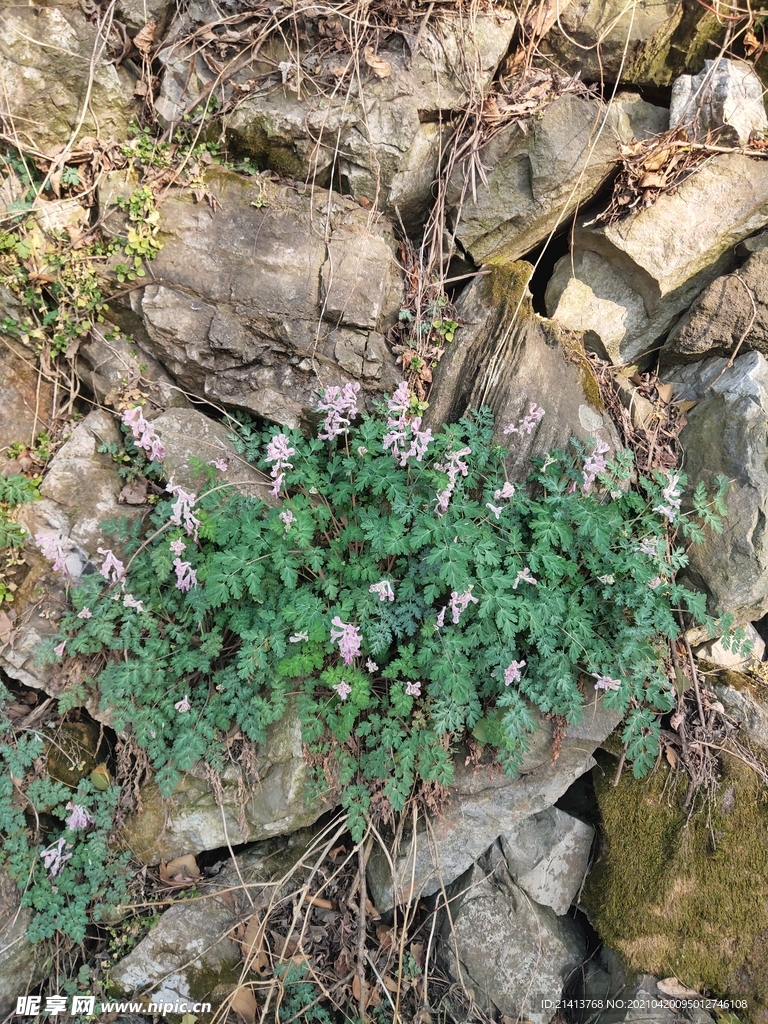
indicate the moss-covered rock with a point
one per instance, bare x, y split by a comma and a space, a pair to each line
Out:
686, 895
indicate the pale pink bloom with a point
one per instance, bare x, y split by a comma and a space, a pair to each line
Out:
182, 510
298, 638
85, 613
507, 491
278, 452
130, 602
111, 566
400, 429
606, 683
144, 433
453, 466
50, 546
672, 496
383, 589
288, 518
413, 689
528, 422
182, 706
371, 666
59, 648
55, 857
341, 406
177, 546
524, 576
610, 578
441, 618
494, 508
348, 637
79, 818
361, 450
512, 672
648, 547
459, 603
186, 577
221, 464
343, 689
655, 582
594, 464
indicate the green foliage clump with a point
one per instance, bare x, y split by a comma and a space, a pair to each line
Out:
402, 602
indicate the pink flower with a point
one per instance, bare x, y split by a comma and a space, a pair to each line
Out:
59, 648
528, 422
655, 582
144, 433
182, 509
298, 638
85, 613
55, 857
130, 602
383, 589
343, 689
288, 518
278, 452
672, 496
453, 466
361, 450
349, 639
606, 683
111, 566
459, 603
50, 546
524, 576
401, 432
221, 464
413, 689
512, 672
594, 464
441, 618
341, 406
177, 546
79, 818
186, 577
648, 547
371, 666
182, 706
507, 491
494, 508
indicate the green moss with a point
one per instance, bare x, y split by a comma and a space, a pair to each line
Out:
573, 349
686, 896
506, 287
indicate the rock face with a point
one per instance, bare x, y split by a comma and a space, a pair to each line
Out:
382, 136
486, 804
538, 175
276, 801
272, 297
726, 434
724, 314
724, 101
27, 396
23, 964
506, 357
44, 56
511, 953
634, 277
747, 704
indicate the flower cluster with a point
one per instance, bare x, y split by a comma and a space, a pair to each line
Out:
182, 510
186, 577
112, 569
457, 604
343, 689
144, 434
594, 464
383, 589
413, 689
349, 639
183, 705
341, 406
287, 518
512, 672
49, 544
278, 453
453, 466
524, 576
606, 683
399, 428
528, 422
79, 818
56, 856
672, 495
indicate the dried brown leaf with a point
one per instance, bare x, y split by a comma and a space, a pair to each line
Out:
381, 68
244, 1004
143, 39
179, 871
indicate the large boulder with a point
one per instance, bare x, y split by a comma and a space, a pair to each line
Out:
27, 403
513, 956
724, 103
507, 357
539, 173
726, 434
380, 132
23, 964
272, 296
626, 282
485, 804
57, 78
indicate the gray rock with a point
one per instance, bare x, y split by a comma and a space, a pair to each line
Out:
748, 707
45, 57
655, 262
259, 307
136, 13
23, 964
723, 315
506, 357
511, 954
26, 407
714, 651
382, 136
724, 101
486, 804
275, 799
548, 856
538, 175
727, 434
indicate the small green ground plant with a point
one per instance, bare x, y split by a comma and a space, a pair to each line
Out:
15, 490
404, 595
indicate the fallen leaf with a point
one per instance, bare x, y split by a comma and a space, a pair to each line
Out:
665, 391
655, 161
244, 1004
687, 405
672, 987
671, 756
381, 68
134, 492
252, 946
143, 39
652, 179
751, 42
318, 901
6, 628
180, 870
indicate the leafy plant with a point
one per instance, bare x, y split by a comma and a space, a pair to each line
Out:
404, 594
